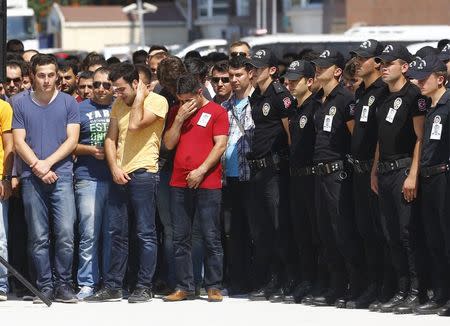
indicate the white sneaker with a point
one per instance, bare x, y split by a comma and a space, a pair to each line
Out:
3, 296
85, 292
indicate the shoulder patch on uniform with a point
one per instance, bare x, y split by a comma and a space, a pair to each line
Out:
287, 102
422, 104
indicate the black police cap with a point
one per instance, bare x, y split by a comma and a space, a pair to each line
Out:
263, 58
422, 68
368, 49
445, 53
298, 69
393, 52
329, 58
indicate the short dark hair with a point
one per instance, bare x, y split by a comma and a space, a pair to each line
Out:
169, 70
196, 67
349, 70
67, 65
42, 60
93, 58
139, 56
101, 70
86, 74
192, 54
221, 66
240, 43
124, 70
239, 62
15, 64
112, 61
188, 84
14, 45
145, 70
26, 69
157, 47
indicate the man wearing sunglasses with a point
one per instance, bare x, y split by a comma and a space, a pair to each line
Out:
221, 82
239, 48
92, 183
13, 82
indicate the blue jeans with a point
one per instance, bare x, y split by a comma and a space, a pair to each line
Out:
91, 198
3, 243
140, 193
40, 201
204, 204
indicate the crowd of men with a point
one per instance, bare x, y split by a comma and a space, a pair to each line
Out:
322, 182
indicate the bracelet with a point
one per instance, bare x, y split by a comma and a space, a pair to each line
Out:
7, 177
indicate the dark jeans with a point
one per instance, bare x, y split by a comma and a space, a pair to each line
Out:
337, 231
236, 209
140, 194
400, 223
204, 204
41, 201
436, 222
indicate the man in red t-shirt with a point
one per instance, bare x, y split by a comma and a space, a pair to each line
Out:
199, 131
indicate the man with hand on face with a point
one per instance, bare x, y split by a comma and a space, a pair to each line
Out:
300, 78
46, 127
92, 183
431, 75
199, 131
132, 151
395, 173
334, 125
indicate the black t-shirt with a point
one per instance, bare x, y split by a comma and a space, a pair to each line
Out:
365, 137
396, 134
332, 135
435, 149
303, 134
267, 111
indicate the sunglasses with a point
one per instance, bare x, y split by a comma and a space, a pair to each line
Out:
224, 80
105, 85
237, 54
14, 80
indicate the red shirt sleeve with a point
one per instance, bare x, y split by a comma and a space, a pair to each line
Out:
221, 124
171, 115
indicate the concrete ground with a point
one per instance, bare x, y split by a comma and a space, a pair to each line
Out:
231, 312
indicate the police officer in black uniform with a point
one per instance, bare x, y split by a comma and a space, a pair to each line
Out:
271, 105
400, 132
300, 77
445, 57
333, 192
369, 95
431, 75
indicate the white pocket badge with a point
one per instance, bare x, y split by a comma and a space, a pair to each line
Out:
204, 119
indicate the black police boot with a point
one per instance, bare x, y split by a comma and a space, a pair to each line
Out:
375, 306
301, 291
369, 296
287, 292
328, 298
395, 301
431, 307
445, 310
266, 291
414, 299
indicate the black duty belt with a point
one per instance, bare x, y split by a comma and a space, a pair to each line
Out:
301, 172
388, 166
265, 162
430, 171
328, 168
362, 167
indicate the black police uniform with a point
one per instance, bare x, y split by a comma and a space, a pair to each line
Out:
434, 167
303, 209
364, 142
397, 138
333, 196
269, 184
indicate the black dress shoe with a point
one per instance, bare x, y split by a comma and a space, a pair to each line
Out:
430, 308
375, 306
364, 300
301, 291
412, 301
327, 299
445, 310
395, 301
341, 302
277, 296
257, 295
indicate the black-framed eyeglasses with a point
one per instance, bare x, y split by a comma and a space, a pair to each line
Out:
237, 54
105, 85
224, 80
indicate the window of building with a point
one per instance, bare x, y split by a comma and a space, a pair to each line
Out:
243, 7
210, 8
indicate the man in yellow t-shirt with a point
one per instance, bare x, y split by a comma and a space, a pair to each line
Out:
6, 160
132, 150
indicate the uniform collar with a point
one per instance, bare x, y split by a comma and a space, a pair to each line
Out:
378, 83
444, 98
338, 89
404, 89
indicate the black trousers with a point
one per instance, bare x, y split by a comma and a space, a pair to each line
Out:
367, 216
304, 221
436, 224
236, 210
337, 231
401, 225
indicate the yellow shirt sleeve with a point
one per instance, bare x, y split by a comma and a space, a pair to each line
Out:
6, 114
114, 113
156, 104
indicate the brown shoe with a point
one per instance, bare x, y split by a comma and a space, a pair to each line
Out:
179, 295
214, 295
